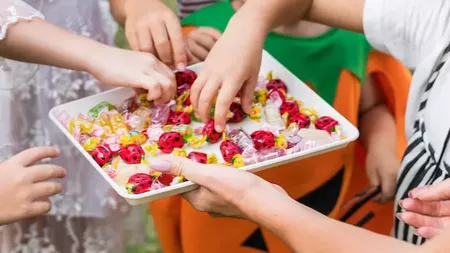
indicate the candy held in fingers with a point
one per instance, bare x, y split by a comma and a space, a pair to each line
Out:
185, 77
238, 113
139, 183
212, 135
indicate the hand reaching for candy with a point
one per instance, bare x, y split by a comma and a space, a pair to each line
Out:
120, 67
26, 187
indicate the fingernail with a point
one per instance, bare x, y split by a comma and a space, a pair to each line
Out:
219, 128
181, 66
400, 203
399, 216
418, 192
161, 165
57, 150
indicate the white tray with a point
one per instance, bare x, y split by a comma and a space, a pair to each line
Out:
296, 88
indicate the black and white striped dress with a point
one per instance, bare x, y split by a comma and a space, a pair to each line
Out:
422, 164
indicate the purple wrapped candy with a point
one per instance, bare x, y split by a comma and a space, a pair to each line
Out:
160, 113
244, 142
272, 153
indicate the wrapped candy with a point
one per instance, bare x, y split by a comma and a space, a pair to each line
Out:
266, 139
129, 105
168, 141
271, 153
202, 157
178, 118
311, 113
260, 96
133, 137
232, 153
142, 100
326, 123
318, 136
273, 117
139, 183
125, 171
139, 119
132, 154
102, 126
256, 113
160, 113
289, 108
99, 108
91, 143
102, 155
179, 152
117, 122
80, 124
244, 142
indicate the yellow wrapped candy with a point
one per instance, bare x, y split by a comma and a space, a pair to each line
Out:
211, 159
311, 113
151, 149
133, 137
255, 114
83, 124
260, 96
179, 152
196, 141
269, 75
281, 142
238, 161
91, 143
117, 122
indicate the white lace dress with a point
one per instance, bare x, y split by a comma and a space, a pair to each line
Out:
87, 217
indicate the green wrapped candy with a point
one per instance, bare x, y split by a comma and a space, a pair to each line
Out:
101, 107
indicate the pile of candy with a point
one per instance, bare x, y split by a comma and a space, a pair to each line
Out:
123, 138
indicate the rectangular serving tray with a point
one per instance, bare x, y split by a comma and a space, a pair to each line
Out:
296, 88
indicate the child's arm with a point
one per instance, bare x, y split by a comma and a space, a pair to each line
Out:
37, 41
151, 26
379, 137
26, 188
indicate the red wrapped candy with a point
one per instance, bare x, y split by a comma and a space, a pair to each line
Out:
139, 183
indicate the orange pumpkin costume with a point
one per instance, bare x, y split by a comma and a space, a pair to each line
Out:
321, 186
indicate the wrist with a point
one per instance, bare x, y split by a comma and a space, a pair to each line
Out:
96, 52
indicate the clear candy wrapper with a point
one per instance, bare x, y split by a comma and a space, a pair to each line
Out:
140, 118
117, 122
244, 142
160, 113
273, 117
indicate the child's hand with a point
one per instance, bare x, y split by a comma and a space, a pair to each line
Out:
119, 67
152, 27
25, 188
232, 66
382, 169
201, 41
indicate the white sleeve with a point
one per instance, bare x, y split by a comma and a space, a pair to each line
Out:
11, 11
407, 29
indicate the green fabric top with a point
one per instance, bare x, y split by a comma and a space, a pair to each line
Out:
316, 60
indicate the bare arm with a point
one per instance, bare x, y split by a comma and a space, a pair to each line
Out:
37, 41
306, 230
